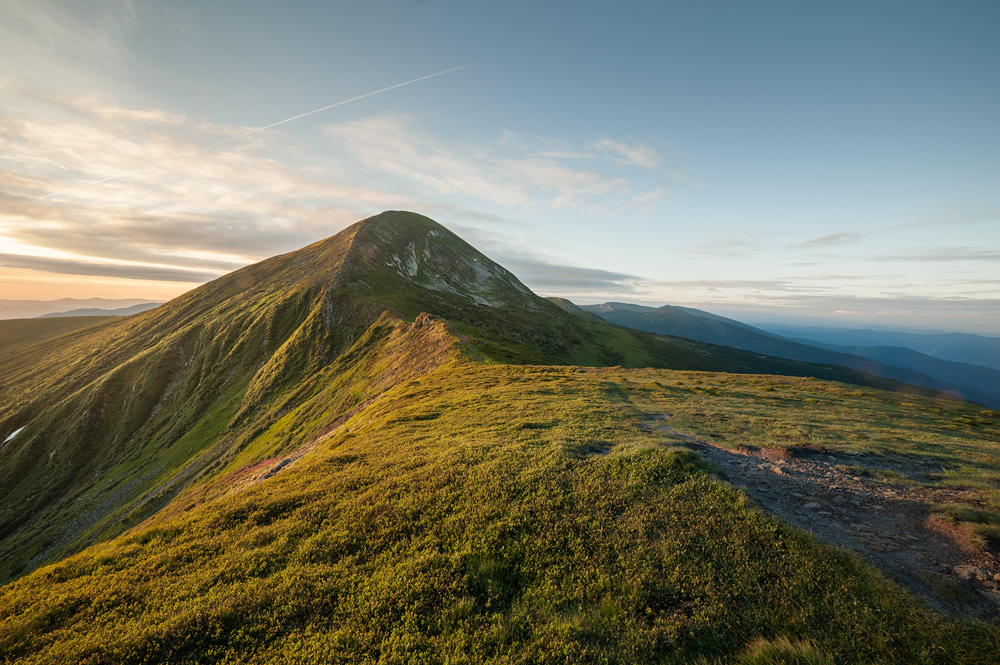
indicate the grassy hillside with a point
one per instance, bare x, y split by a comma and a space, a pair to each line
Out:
15, 333
490, 513
114, 420
379, 448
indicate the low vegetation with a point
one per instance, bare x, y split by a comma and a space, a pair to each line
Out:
897, 437
491, 513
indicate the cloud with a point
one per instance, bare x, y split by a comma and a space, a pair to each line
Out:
178, 205
170, 210
165, 200
648, 197
636, 153
551, 278
979, 281
720, 285
90, 105
957, 214
832, 239
54, 45
942, 254
954, 314
518, 172
542, 273
121, 271
731, 245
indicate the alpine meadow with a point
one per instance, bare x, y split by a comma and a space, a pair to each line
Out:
384, 448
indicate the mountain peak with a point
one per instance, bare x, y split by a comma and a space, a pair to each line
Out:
397, 250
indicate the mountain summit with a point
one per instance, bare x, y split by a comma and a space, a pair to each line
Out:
395, 252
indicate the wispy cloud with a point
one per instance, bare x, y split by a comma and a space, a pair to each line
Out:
957, 214
942, 254
832, 239
634, 153
731, 244
551, 278
53, 45
180, 207
92, 106
544, 274
122, 271
181, 213
728, 285
519, 171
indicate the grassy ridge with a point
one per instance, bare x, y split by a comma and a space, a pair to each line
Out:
119, 417
204, 427
481, 514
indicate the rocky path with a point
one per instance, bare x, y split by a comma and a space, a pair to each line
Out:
889, 524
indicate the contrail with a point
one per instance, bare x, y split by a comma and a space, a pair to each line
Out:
346, 101
260, 129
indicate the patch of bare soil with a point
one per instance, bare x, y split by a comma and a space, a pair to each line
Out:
889, 524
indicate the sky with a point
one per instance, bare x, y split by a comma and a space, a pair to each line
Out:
800, 161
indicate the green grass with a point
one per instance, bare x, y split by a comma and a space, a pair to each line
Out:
17, 333
478, 514
882, 434
982, 525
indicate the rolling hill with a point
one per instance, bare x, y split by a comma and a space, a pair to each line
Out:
98, 311
958, 347
982, 386
976, 377
384, 448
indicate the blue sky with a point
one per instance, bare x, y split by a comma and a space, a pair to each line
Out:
772, 161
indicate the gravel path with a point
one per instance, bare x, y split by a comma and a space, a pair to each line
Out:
888, 524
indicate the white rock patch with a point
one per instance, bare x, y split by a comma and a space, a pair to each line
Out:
13, 434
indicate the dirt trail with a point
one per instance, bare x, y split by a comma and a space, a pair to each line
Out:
886, 523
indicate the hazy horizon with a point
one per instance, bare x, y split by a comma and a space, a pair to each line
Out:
774, 161
9, 309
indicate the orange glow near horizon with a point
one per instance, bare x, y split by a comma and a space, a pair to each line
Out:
18, 284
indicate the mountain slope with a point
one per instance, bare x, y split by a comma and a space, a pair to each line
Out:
113, 421
329, 455
685, 322
490, 514
118, 418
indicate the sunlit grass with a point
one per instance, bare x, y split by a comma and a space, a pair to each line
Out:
486, 514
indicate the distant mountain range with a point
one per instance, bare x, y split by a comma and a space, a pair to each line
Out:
30, 309
977, 383
95, 311
959, 347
